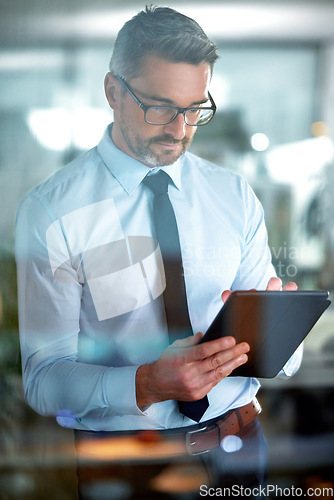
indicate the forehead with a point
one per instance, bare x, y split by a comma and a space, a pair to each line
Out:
181, 82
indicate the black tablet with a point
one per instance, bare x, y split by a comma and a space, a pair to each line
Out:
273, 323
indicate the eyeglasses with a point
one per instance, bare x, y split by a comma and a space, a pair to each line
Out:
162, 115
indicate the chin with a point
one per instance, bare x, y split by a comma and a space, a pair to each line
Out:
152, 160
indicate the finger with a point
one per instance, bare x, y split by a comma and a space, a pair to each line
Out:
198, 337
274, 284
207, 349
225, 295
227, 368
290, 287
188, 341
200, 372
211, 378
219, 359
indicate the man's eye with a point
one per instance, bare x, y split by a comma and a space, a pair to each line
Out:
161, 110
193, 111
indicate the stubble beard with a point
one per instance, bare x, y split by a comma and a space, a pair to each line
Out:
143, 152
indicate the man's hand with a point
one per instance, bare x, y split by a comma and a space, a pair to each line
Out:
187, 371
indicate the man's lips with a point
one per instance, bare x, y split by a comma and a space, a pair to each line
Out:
169, 145
169, 142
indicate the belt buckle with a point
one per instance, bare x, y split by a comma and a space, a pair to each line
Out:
190, 442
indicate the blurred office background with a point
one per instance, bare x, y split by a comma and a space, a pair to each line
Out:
274, 87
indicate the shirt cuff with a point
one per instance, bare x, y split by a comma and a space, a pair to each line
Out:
293, 365
119, 386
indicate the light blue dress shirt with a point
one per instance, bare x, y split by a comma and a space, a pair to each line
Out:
90, 283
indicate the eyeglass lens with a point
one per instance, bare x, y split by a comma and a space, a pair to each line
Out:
160, 115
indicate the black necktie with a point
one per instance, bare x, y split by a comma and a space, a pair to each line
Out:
175, 298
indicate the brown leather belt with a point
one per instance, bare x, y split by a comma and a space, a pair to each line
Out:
210, 436
157, 444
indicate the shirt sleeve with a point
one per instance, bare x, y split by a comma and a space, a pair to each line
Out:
49, 296
256, 267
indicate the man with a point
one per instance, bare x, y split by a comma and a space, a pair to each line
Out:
94, 335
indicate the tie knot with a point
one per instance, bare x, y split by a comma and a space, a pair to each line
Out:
157, 183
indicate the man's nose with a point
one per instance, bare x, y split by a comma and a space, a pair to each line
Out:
177, 128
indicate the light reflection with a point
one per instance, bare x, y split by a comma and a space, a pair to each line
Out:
319, 129
233, 20
230, 444
58, 128
289, 163
129, 447
259, 142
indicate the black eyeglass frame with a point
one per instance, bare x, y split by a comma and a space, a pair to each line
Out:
178, 110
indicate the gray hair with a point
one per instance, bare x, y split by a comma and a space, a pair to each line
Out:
161, 32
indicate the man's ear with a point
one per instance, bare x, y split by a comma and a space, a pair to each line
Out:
112, 90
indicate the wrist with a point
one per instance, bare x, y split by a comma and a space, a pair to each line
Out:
144, 387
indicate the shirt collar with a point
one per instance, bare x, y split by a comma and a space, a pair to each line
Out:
174, 172
128, 171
